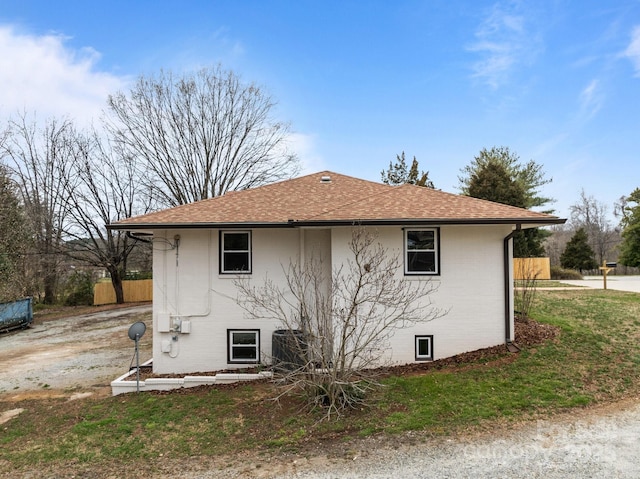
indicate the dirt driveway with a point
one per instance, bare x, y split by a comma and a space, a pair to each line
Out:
76, 355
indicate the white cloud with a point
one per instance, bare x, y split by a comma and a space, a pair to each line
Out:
633, 50
502, 42
304, 146
196, 52
591, 99
549, 145
40, 74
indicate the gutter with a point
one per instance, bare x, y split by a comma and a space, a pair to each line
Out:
508, 289
531, 222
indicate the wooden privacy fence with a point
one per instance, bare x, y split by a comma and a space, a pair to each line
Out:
531, 268
134, 292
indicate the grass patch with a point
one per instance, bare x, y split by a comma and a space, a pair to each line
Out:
595, 358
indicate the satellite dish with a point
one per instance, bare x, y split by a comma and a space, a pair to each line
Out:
136, 331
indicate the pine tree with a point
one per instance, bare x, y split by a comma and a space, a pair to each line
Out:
399, 174
529, 175
578, 254
493, 183
497, 175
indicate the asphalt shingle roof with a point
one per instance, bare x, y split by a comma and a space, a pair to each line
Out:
313, 199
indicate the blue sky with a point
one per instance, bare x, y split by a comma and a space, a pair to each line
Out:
361, 81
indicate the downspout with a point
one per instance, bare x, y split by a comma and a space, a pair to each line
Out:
508, 287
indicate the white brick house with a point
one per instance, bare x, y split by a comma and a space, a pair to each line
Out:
461, 243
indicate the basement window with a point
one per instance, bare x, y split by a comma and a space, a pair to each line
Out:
424, 348
243, 346
235, 252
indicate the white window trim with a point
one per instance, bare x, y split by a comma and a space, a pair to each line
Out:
223, 251
418, 338
230, 346
435, 250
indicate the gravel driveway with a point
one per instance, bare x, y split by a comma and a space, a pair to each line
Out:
79, 353
601, 443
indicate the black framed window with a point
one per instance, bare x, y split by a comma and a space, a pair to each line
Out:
424, 348
235, 251
422, 254
243, 346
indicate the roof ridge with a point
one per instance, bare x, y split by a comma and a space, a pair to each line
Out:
349, 203
173, 208
300, 178
361, 199
393, 188
461, 195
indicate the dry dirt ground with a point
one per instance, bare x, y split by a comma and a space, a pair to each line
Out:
79, 354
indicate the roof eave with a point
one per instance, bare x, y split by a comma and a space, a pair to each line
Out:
530, 222
186, 226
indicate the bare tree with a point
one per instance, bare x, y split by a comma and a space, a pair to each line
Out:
35, 157
71, 186
200, 135
591, 214
555, 243
101, 188
341, 325
15, 242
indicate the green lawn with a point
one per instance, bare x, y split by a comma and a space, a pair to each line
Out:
596, 358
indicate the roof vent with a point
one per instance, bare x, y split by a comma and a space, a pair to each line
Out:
325, 179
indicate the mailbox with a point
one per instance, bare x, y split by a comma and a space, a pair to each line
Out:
611, 264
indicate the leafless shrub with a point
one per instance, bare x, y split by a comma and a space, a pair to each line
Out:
339, 321
525, 291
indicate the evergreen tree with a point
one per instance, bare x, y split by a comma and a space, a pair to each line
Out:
493, 183
399, 174
630, 248
529, 175
578, 254
497, 175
